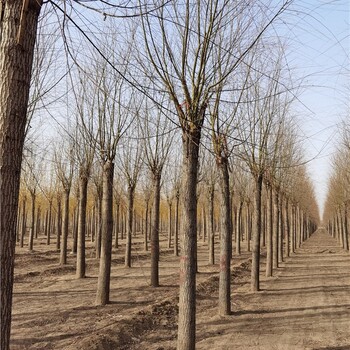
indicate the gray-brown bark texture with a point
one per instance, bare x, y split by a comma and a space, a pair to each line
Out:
269, 235
225, 241
103, 283
187, 295
83, 182
17, 39
255, 278
155, 232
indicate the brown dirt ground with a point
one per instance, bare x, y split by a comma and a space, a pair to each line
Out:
306, 305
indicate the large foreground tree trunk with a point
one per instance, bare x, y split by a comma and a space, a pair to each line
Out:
187, 296
103, 283
17, 39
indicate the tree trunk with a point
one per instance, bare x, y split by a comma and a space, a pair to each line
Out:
225, 241
131, 192
211, 231
98, 224
263, 226
145, 236
116, 225
269, 236
287, 223
276, 218
340, 228
155, 232
281, 230
170, 224
83, 182
103, 283
255, 273
239, 228
176, 233
346, 230
63, 252
24, 223
59, 224
248, 226
48, 237
293, 228
32, 220
17, 39
38, 223
75, 227
204, 223
187, 295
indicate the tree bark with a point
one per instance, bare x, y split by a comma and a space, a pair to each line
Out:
176, 233
117, 224
59, 224
145, 234
346, 230
155, 232
255, 273
211, 231
170, 224
187, 295
83, 182
269, 237
65, 226
48, 237
225, 241
287, 223
103, 283
204, 224
281, 230
276, 218
131, 193
17, 39
24, 222
32, 220
75, 227
98, 224
239, 228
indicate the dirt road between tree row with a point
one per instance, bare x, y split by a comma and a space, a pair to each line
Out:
304, 306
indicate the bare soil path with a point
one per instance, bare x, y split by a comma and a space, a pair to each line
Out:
305, 306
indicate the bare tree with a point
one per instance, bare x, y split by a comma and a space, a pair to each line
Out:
112, 116
85, 139
180, 42
64, 160
18, 28
131, 164
157, 138
32, 174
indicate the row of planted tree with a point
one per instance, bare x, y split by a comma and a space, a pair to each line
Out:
288, 217
188, 102
336, 215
